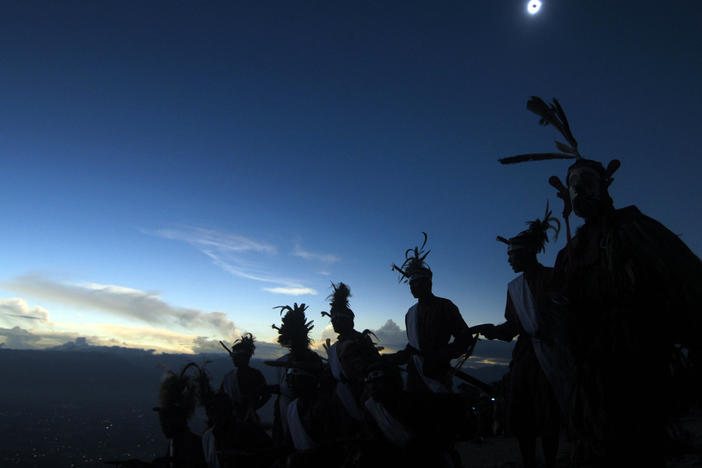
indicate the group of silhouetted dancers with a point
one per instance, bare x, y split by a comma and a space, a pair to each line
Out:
608, 349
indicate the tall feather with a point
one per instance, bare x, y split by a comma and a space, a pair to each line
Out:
534, 157
550, 115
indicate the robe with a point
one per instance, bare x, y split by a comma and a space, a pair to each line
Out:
630, 289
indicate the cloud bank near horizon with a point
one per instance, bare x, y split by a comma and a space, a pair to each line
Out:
119, 301
31, 327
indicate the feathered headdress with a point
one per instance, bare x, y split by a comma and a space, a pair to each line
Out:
244, 345
553, 114
178, 391
339, 305
294, 329
414, 265
536, 235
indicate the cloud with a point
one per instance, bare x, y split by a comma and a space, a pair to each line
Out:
120, 301
491, 353
291, 291
247, 270
208, 239
314, 256
391, 336
19, 338
238, 255
15, 311
99, 335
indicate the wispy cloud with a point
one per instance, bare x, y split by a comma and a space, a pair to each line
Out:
210, 239
291, 291
247, 270
130, 303
239, 255
314, 256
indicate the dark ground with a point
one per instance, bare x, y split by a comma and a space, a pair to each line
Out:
77, 409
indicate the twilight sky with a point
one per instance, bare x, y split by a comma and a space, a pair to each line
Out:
173, 170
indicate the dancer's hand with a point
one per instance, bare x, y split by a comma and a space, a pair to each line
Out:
486, 329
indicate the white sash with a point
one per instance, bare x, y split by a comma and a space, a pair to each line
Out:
302, 441
343, 389
285, 396
413, 337
392, 429
554, 360
210, 448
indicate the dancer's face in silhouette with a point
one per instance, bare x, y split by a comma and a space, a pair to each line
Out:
585, 187
520, 258
240, 359
342, 324
420, 287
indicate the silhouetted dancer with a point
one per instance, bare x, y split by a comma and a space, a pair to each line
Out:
312, 419
389, 419
177, 398
352, 353
307, 423
245, 385
536, 368
228, 441
430, 325
293, 334
632, 290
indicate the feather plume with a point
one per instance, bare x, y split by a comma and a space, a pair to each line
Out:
547, 114
550, 115
177, 391
414, 261
339, 300
564, 122
565, 148
293, 332
539, 229
536, 235
553, 115
535, 157
244, 344
611, 169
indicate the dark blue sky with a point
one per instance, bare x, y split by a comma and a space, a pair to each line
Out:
232, 156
